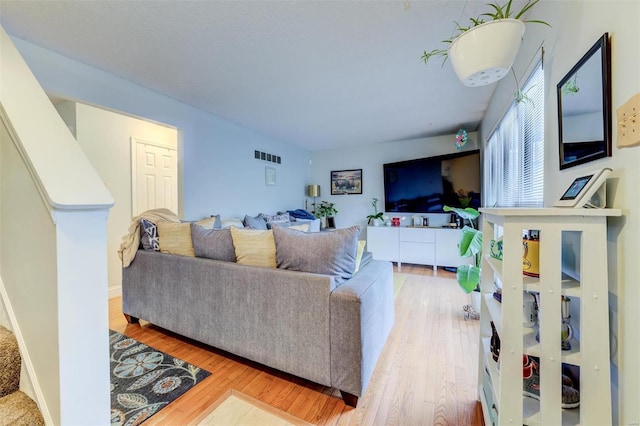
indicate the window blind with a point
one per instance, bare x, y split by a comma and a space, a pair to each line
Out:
514, 160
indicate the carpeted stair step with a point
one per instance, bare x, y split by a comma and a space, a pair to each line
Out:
17, 409
10, 363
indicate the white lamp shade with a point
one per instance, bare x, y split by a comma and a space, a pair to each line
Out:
484, 54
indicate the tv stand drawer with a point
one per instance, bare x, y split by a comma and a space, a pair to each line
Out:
417, 235
418, 253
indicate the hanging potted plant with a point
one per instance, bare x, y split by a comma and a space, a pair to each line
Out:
483, 52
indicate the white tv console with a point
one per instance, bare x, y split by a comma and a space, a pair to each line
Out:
418, 245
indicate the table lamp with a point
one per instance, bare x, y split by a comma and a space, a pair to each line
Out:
314, 192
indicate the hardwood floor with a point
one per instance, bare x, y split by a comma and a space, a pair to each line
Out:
426, 375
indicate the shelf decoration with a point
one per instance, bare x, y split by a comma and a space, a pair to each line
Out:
462, 137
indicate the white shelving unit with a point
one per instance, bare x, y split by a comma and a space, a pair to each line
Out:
501, 391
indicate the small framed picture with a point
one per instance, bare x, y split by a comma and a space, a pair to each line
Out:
346, 182
269, 176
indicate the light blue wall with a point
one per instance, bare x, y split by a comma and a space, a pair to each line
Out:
576, 27
353, 209
220, 173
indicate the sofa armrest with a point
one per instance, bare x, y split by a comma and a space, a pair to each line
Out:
362, 315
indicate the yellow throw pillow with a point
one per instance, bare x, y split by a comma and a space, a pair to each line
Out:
254, 247
359, 253
175, 238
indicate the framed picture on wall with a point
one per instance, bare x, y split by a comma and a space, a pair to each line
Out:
269, 176
345, 182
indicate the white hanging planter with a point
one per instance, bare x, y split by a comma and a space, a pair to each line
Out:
484, 54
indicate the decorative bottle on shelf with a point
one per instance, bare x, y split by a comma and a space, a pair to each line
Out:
494, 344
567, 328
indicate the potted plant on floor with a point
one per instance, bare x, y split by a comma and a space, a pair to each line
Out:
470, 245
325, 211
484, 51
376, 218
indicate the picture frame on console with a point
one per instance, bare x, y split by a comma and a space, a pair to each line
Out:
345, 182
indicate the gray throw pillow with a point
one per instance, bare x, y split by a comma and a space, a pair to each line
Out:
280, 219
255, 223
328, 253
212, 243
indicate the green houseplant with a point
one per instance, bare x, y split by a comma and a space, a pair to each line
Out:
498, 12
377, 216
470, 245
324, 211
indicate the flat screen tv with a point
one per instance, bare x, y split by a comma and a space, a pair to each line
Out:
426, 185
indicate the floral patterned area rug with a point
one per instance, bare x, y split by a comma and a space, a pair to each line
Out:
144, 380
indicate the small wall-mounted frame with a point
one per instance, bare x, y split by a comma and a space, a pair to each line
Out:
269, 176
346, 182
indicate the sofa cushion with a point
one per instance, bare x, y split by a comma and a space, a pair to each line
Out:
175, 238
212, 243
281, 219
149, 235
212, 222
254, 247
366, 258
304, 227
254, 222
314, 224
228, 222
328, 253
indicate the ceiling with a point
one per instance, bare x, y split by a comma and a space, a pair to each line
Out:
317, 74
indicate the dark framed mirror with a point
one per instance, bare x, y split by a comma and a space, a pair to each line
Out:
584, 108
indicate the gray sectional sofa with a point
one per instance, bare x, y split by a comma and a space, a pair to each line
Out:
301, 323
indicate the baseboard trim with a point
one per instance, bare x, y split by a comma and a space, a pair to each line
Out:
115, 291
33, 388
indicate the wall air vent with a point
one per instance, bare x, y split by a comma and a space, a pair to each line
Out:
263, 156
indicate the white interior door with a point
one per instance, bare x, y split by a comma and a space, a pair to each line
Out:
154, 176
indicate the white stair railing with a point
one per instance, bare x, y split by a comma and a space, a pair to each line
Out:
53, 251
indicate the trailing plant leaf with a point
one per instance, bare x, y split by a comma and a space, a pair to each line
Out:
436, 52
470, 245
499, 14
468, 213
470, 242
468, 277
526, 7
508, 9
